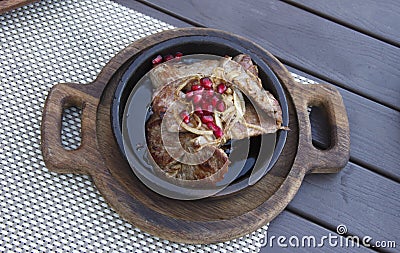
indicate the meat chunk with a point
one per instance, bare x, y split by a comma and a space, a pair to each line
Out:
251, 86
253, 124
164, 74
245, 61
167, 153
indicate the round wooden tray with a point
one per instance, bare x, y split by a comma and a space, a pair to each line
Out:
206, 220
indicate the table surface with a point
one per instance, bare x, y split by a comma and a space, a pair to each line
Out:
353, 45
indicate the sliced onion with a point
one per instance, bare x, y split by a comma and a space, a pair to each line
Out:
195, 130
241, 100
238, 106
255, 127
217, 120
197, 118
184, 83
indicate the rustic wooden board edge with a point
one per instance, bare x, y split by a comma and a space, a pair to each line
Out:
8, 5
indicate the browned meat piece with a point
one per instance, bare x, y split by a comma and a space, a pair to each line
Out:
163, 97
155, 143
217, 164
254, 127
164, 74
251, 86
245, 61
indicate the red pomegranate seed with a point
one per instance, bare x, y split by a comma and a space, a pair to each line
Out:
157, 60
221, 106
185, 117
189, 94
198, 111
206, 83
218, 133
206, 106
207, 118
214, 101
196, 87
168, 57
210, 109
178, 55
221, 88
209, 93
206, 112
212, 126
197, 98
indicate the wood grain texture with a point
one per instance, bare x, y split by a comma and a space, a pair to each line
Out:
357, 62
135, 5
58, 159
7, 5
377, 18
211, 219
288, 224
365, 202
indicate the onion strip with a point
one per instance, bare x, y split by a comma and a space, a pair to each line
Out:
197, 118
255, 127
195, 130
236, 102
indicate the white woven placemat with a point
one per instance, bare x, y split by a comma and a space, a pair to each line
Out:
40, 45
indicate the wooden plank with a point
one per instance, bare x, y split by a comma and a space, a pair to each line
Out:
290, 225
376, 18
360, 199
324, 48
152, 12
374, 132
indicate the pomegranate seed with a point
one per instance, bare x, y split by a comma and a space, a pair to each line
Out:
209, 93
168, 57
196, 87
221, 106
212, 126
221, 88
198, 111
214, 101
178, 55
189, 94
206, 83
157, 60
209, 109
185, 116
207, 112
207, 118
206, 106
218, 133
197, 98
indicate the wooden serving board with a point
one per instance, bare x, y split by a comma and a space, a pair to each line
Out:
199, 221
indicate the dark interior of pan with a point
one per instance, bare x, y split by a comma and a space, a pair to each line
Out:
214, 45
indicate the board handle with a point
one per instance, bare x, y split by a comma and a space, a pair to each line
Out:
55, 156
336, 156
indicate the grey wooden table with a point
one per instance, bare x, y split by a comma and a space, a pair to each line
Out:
353, 45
